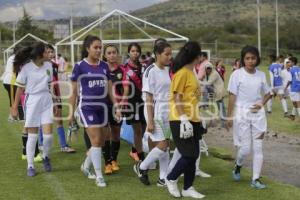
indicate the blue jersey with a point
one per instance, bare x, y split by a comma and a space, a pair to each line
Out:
275, 69
295, 86
93, 84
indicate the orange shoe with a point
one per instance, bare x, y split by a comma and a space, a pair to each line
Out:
108, 169
115, 166
134, 156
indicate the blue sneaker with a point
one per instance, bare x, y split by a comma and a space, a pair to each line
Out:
236, 176
31, 172
47, 164
258, 184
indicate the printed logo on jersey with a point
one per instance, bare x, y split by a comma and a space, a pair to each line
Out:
97, 83
119, 75
48, 72
91, 118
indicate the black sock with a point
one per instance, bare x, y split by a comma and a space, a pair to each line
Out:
106, 152
115, 147
87, 140
37, 151
237, 169
24, 141
133, 149
141, 156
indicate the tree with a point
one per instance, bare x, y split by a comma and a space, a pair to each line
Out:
25, 25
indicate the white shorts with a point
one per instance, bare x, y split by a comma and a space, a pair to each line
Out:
248, 126
162, 130
38, 109
295, 96
279, 90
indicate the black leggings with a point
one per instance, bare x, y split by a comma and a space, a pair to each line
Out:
11, 91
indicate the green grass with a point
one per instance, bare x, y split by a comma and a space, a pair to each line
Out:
67, 182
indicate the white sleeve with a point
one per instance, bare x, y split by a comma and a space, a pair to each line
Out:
233, 83
21, 80
148, 83
265, 87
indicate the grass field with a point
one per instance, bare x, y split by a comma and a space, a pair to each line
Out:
66, 182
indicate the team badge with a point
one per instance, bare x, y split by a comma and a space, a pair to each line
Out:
119, 76
130, 73
91, 118
48, 72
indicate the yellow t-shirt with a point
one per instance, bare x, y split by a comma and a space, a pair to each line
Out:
185, 82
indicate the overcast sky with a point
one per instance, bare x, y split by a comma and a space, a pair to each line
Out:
50, 9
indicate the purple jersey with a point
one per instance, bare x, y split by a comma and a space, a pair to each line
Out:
93, 84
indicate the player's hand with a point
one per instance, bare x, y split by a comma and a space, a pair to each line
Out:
229, 124
118, 115
256, 107
14, 113
55, 110
186, 128
150, 126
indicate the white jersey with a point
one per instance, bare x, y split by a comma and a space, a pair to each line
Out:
157, 82
286, 77
9, 70
35, 79
248, 88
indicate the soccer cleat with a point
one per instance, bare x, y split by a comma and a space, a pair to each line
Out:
258, 184
292, 117
161, 183
67, 149
87, 172
142, 174
286, 114
47, 164
191, 192
134, 156
108, 169
173, 188
24, 157
38, 158
31, 172
202, 174
115, 166
236, 173
100, 182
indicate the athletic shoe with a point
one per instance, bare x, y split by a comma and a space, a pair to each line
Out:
134, 156
142, 174
236, 173
202, 174
286, 114
258, 184
115, 166
191, 192
24, 157
108, 169
47, 164
38, 158
292, 117
161, 183
173, 188
67, 149
100, 182
269, 112
31, 172
87, 172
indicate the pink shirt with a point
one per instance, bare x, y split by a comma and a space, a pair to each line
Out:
201, 70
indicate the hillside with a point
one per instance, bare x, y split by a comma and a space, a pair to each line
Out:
197, 13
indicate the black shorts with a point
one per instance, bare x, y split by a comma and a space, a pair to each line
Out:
187, 147
135, 113
111, 119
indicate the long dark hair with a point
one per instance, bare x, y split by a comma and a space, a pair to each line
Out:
87, 42
160, 47
105, 48
135, 44
26, 54
250, 49
187, 54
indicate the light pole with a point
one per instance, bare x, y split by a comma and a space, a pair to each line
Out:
71, 33
258, 27
277, 30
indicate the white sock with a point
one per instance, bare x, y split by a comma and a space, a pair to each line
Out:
199, 158
269, 105
164, 160
242, 153
298, 110
152, 156
294, 111
95, 154
257, 158
284, 105
175, 158
30, 148
47, 144
87, 162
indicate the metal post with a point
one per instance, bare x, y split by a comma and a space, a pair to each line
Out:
71, 32
258, 27
120, 35
277, 30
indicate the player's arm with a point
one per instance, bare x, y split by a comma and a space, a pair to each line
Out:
150, 112
230, 108
113, 100
16, 102
73, 100
271, 79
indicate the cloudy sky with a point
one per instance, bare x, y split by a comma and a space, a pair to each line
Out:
49, 9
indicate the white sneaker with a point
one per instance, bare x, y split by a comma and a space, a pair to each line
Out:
100, 182
202, 174
87, 173
191, 192
173, 188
